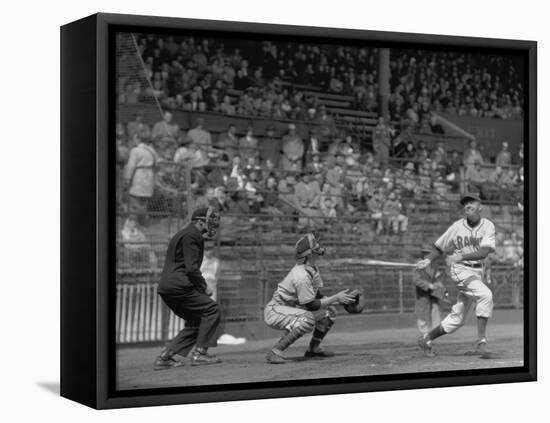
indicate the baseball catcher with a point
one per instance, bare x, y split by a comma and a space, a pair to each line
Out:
299, 307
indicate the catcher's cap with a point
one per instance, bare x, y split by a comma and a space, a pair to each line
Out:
469, 197
305, 245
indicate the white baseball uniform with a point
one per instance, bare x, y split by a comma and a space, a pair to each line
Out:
461, 238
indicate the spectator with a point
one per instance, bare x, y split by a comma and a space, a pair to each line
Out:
293, 150
137, 246
270, 147
165, 131
219, 202
228, 142
504, 158
138, 127
271, 196
471, 156
375, 206
328, 210
439, 156
307, 194
519, 159
237, 172
140, 178
475, 180
200, 136
248, 145
392, 213
381, 142
186, 152
314, 166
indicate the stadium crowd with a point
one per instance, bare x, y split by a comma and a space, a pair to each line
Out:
317, 179
259, 78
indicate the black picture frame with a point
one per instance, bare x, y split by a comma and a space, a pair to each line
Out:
87, 195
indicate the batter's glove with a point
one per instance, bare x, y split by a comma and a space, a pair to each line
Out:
440, 292
358, 305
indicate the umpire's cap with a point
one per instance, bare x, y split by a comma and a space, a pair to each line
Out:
468, 198
201, 213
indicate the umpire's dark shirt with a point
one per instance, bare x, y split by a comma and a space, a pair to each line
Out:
183, 262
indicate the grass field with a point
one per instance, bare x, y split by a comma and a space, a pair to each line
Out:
368, 352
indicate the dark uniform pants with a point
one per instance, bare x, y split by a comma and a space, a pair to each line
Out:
202, 318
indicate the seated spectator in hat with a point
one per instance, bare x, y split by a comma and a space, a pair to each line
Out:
138, 127
227, 107
137, 246
236, 172
165, 130
268, 169
312, 145
328, 210
475, 181
293, 150
200, 136
219, 200
392, 211
271, 196
239, 203
504, 157
439, 156
471, 156
375, 206
270, 147
253, 189
307, 193
248, 145
228, 142
314, 166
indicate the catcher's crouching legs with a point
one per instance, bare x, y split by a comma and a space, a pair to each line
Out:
324, 320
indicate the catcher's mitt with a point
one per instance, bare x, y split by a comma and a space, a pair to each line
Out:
440, 292
358, 305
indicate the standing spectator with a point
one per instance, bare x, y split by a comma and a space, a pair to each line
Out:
165, 131
138, 127
519, 159
504, 158
381, 142
293, 150
248, 145
228, 142
312, 145
270, 147
439, 156
200, 136
140, 178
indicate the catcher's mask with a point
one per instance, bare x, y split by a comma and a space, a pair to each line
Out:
212, 219
308, 245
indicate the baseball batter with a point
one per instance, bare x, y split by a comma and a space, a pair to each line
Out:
466, 244
299, 307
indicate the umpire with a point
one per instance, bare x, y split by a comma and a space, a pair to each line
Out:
183, 289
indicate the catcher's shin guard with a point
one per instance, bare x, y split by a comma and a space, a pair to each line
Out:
322, 327
302, 325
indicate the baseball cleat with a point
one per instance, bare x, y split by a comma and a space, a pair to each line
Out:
167, 363
481, 349
426, 347
318, 353
199, 359
273, 358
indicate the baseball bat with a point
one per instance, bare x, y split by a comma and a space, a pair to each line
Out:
371, 262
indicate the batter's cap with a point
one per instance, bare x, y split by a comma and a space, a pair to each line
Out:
305, 245
426, 248
469, 197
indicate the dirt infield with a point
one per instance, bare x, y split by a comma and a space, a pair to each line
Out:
368, 352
